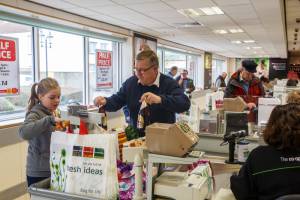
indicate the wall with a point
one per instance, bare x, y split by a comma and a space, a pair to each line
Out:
13, 153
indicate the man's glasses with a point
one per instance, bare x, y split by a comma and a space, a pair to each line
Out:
143, 70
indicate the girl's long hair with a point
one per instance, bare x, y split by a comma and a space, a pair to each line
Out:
41, 88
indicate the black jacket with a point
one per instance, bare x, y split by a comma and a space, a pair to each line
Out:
173, 99
267, 174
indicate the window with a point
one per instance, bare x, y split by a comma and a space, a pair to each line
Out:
174, 59
12, 107
160, 59
95, 76
192, 64
62, 58
218, 66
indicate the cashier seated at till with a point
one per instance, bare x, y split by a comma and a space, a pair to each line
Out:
273, 171
245, 84
162, 94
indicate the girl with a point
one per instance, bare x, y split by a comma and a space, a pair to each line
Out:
37, 127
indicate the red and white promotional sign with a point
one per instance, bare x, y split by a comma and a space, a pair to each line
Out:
9, 66
104, 70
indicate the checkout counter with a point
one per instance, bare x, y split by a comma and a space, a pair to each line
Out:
193, 186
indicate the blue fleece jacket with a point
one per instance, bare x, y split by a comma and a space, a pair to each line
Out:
173, 99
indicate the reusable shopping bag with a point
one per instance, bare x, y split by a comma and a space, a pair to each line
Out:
84, 164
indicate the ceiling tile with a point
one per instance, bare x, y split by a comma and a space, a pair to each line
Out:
88, 3
231, 2
150, 7
182, 4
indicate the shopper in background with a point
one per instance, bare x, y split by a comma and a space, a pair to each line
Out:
186, 83
37, 128
162, 94
261, 70
173, 71
292, 79
245, 84
220, 82
293, 97
274, 170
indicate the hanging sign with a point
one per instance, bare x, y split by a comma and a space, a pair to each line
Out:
104, 71
9, 66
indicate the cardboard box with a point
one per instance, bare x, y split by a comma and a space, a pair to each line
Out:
234, 104
170, 139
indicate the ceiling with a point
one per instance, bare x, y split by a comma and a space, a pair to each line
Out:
293, 27
261, 20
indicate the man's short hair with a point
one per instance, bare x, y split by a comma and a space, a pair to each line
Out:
150, 56
174, 68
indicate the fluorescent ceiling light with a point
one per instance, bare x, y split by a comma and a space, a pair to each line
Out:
221, 31
256, 47
248, 48
249, 41
193, 12
190, 12
236, 42
238, 30
212, 10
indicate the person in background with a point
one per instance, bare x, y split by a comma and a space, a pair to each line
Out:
261, 70
37, 128
187, 84
162, 94
268, 86
245, 84
220, 82
173, 71
293, 97
274, 170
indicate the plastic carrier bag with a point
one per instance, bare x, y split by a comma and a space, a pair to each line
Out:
84, 164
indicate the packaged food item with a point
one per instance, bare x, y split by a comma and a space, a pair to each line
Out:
143, 116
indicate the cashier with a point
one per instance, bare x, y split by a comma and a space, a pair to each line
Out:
162, 94
245, 84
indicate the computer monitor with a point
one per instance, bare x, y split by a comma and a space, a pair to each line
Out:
235, 121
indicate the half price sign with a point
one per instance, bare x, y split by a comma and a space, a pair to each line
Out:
104, 71
9, 66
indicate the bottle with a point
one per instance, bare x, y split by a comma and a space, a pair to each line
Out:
103, 118
143, 116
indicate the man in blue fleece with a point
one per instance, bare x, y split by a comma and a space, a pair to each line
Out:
162, 93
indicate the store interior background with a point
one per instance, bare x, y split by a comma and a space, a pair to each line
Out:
273, 25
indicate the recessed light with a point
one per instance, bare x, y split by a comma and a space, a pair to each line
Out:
236, 42
248, 48
238, 30
188, 12
248, 41
256, 47
212, 10
221, 31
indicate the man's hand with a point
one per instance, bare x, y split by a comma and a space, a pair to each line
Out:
150, 98
99, 101
251, 105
